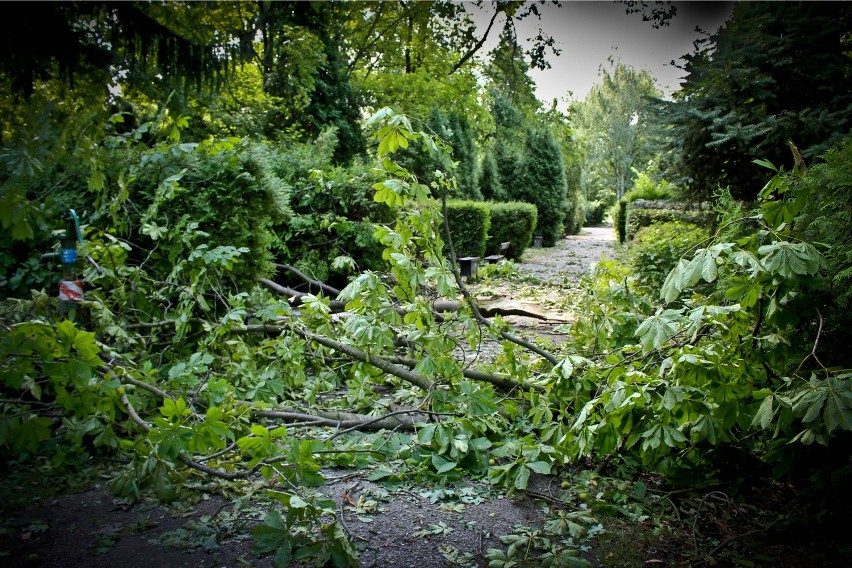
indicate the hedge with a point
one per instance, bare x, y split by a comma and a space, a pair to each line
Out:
643, 213
469, 222
512, 222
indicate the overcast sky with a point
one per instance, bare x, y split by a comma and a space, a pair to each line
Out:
589, 32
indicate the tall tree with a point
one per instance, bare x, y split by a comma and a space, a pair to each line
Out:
65, 39
778, 72
613, 127
301, 59
541, 181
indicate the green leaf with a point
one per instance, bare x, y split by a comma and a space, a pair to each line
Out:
745, 292
656, 331
270, 535
539, 467
522, 478
763, 417
838, 411
675, 282
442, 465
765, 164
788, 259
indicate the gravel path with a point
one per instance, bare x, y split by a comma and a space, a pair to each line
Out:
571, 257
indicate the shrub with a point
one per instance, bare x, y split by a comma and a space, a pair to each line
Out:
333, 216
512, 222
656, 249
643, 213
469, 222
595, 212
220, 194
643, 188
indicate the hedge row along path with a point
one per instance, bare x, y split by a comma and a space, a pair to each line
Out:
51, 524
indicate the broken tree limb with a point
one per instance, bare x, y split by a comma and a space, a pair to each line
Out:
498, 305
377, 361
296, 296
476, 375
315, 283
396, 366
550, 357
487, 307
401, 419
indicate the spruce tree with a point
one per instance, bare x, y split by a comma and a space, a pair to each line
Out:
777, 72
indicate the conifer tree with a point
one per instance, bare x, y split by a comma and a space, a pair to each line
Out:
542, 182
777, 72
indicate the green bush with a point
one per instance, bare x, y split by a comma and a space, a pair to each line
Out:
332, 221
219, 194
643, 213
512, 222
656, 249
828, 220
595, 212
643, 188
469, 222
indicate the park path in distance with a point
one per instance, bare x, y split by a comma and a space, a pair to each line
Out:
571, 257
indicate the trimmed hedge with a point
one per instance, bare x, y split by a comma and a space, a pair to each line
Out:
469, 222
643, 213
512, 222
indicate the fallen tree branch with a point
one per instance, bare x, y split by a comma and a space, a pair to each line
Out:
349, 421
377, 361
316, 283
550, 357
296, 296
476, 375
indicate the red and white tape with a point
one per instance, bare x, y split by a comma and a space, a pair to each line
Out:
71, 291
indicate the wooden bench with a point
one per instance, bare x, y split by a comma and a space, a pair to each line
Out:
495, 258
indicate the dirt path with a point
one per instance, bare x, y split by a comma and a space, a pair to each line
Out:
410, 526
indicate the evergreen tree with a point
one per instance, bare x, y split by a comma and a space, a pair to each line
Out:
489, 178
305, 69
541, 181
777, 72
508, 159
461, 138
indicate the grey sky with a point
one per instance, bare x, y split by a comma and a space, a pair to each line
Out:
589, 32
